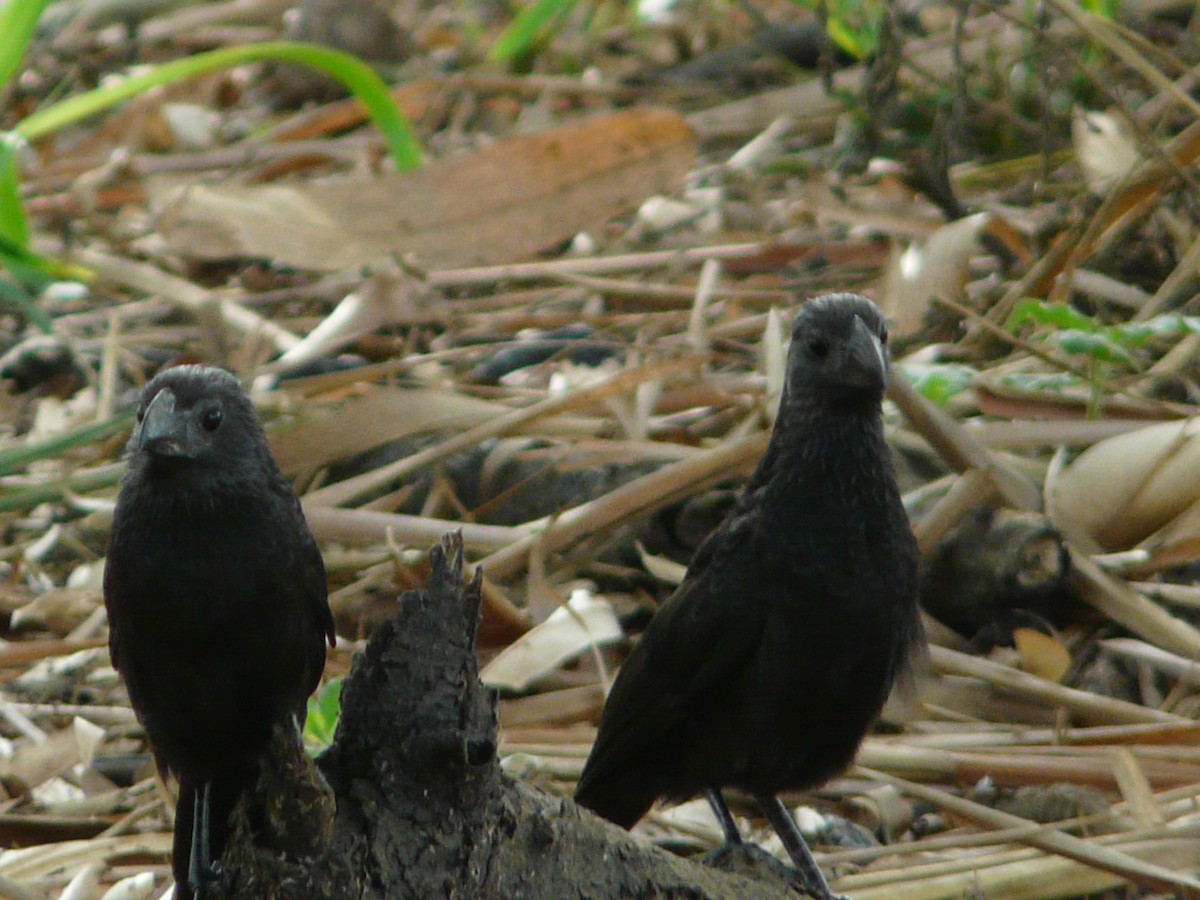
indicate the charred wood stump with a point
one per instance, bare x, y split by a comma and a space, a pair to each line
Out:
410, 800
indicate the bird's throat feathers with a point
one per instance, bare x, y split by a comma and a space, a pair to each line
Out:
840, 454
174, 486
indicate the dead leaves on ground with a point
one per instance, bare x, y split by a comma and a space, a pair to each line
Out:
685, 254
505, 202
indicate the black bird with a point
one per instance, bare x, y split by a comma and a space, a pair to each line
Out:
766, 667
216, 598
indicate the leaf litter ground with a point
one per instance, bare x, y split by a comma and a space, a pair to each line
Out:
563, 336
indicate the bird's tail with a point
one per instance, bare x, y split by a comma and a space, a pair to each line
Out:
621, 801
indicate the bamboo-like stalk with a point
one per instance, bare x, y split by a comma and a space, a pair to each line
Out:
1090, 708
1091, 853
638, 496
1021, 875
351, 489
959, 448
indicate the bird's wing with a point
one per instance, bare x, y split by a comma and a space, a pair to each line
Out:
311, 581
316, 587
112, 590
697, 639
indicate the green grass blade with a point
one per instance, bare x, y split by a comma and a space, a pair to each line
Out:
15, 297
354, 74
19, 457
13, 225
18, 19
522, 33
14, 256
324, 709
90, 480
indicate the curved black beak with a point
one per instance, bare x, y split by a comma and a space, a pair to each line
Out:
163, 432
865, 362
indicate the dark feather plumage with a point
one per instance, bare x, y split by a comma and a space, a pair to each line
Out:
766, 667
215, 589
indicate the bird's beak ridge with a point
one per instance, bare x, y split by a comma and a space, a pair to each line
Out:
866, 362
163, 433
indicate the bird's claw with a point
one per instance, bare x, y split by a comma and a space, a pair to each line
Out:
816, 891
202, 880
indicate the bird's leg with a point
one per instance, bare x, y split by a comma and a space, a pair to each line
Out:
811, 878
200, 869
724, 816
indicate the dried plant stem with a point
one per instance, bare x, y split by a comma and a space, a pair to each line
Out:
184, 294
1139, 614
1087, 852
352, 489
638, 496
1089, 707
959, 448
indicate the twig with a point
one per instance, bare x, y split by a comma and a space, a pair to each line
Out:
638, 496
1088, 706
1087, 852
355, 488
959, 448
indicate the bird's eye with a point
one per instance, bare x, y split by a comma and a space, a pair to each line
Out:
211, 419
883, 336
818, 348
141, 413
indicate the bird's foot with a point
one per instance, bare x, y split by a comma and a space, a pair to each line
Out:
818, 891
203, 881
808, 874
744, 858
203, 873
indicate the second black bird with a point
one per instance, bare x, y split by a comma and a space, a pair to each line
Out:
216, 599
767, 666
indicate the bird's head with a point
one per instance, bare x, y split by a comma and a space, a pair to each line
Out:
196, 416
839, 351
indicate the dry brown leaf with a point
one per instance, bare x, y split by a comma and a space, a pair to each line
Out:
585, 621
46, 860
1041, 654
1104, 147
665, 570
373, 418
84, 884
503, 203
936, 267
773, 351
1176, 543
386, 297
1126, 487
59, 609
135, 887
567, 706
35, 762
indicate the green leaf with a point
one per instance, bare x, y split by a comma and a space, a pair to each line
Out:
354, 74
519, 38
324, 709
938, 383
1105, 8
1060, 315
13, 226
851, 24
1169, 325
1095, 346
14, 255
1041, 382
18, 21
845, 38
16, 297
